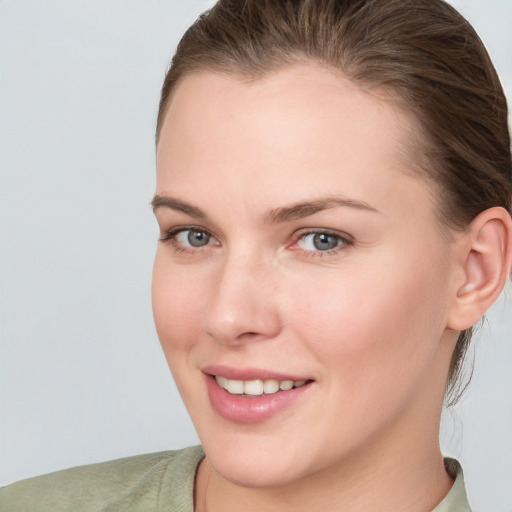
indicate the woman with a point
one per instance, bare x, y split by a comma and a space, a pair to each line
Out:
334, 202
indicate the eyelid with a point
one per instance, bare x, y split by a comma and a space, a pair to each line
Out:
171, 234
345, 238
168, 233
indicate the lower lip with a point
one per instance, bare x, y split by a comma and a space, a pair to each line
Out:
251, 409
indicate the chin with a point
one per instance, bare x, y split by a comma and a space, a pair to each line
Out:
259, 461
261, 473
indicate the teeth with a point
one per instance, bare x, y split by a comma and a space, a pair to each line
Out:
270, 386
257, 387
222, 381
285, 385
253, 387
235, 387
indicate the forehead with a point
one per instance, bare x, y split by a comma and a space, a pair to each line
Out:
286, 90
299, 125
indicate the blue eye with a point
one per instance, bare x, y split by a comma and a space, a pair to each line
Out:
321, 241
192, 238
188, 238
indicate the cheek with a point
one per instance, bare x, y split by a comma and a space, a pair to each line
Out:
375, 339
176, 306
176, 309
373, 326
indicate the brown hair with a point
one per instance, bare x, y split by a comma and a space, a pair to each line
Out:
422, 53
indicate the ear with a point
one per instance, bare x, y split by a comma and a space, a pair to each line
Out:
486, 261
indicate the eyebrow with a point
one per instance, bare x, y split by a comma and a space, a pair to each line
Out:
305, 209
278, 215
177, 205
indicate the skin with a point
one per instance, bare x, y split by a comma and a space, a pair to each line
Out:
369, 321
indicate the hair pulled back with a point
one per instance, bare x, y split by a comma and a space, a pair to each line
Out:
422, 53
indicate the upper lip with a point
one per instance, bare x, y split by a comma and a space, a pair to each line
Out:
249, 373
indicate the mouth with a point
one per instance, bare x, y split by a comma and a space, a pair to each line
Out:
257, 387
250, 395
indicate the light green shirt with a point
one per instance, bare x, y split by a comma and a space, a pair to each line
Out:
159, 482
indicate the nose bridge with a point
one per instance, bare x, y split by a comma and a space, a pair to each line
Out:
242, 306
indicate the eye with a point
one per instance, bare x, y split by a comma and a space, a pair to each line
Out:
322, 241
188, 238
193, 238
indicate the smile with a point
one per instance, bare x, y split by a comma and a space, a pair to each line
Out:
257, 387
252, 395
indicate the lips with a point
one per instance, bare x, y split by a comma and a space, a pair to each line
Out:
252, 396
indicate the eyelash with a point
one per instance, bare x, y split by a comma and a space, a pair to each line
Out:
171, 237
345, 241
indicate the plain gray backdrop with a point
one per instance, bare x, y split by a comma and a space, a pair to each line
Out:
82, 376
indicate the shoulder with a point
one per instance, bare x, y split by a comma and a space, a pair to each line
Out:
143, 482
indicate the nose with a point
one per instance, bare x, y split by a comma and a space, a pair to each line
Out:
243, 304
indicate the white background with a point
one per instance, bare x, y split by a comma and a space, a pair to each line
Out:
82, 376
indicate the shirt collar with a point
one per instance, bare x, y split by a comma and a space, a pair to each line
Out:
456, 500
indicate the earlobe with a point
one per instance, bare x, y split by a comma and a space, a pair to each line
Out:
487, 262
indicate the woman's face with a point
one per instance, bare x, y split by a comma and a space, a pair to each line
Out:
296, 245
